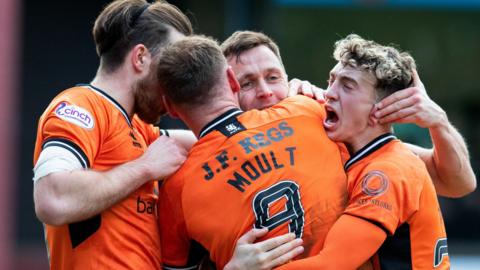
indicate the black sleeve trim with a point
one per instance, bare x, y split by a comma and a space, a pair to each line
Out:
164, 132
378, 224
70, 146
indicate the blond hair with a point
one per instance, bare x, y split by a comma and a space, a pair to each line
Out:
392, 68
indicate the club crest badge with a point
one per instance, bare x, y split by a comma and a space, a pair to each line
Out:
75, 115
375, 183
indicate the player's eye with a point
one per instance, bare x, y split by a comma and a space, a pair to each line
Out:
348, 86
246, 85
329, 81
273, 78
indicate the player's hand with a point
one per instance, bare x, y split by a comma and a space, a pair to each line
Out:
296, 87
163, 157
410, 105
266, 254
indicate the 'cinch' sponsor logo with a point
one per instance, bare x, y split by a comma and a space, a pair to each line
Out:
75, 115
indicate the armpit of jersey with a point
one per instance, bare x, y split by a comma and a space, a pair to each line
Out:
55, 159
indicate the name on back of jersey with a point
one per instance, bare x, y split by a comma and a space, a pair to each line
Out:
259, 163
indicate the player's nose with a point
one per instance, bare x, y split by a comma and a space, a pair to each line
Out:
263, 90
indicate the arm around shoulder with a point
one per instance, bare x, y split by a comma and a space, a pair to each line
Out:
70, 196
64, 197
339, 242
448, 163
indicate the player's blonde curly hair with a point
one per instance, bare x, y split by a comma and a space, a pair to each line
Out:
392, 68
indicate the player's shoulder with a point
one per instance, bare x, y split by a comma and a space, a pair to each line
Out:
79, 105
78, 98
302, 105
398, 164
76, 93
145, 127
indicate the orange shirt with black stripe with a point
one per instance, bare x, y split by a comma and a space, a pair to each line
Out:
97, 130
274, 168
390, 186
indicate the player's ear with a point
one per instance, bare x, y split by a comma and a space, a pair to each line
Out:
140, 58
169, 107
232, 80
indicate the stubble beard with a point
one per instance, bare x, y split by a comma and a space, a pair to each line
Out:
148, 101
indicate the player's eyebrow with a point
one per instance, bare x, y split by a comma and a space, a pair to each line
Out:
246, 76
341, 76
346, 78
253, 74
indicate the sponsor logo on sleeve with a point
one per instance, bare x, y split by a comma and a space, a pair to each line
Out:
75, 115
441, 251
374, 183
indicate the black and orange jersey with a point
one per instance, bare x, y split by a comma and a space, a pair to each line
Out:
389, 186
97, 130
274, 168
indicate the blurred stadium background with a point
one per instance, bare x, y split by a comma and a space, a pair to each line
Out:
46, 46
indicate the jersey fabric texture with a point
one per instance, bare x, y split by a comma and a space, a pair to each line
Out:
273, 168
390, 187
97, 130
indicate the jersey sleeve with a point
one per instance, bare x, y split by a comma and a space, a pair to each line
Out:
349, 244
383, 195
174, 239
74, 123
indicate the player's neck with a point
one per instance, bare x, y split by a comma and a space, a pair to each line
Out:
197, 119
118, 85
365, 136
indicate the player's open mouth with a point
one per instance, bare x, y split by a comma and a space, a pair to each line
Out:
332, 118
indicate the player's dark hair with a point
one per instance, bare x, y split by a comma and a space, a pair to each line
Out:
125, 23
189, 70
242, 41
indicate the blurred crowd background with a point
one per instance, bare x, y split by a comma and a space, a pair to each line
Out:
46, 46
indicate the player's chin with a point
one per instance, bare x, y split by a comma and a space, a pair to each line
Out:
333, 135
333, 129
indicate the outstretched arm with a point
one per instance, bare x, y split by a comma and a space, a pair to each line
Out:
448, 162
350, 236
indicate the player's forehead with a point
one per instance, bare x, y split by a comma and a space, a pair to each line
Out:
349, 73
257, 60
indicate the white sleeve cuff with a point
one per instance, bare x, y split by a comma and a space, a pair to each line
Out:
55, 159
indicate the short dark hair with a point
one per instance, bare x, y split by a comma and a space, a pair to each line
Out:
242, 41
124, 23
188, 70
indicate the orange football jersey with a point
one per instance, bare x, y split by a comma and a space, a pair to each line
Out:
389, 186
97, 130
274, 168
